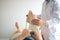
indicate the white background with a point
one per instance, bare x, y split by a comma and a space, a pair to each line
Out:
16, 10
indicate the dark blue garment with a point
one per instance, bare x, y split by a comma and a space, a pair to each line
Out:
28, 38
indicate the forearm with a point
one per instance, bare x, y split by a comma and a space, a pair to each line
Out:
20, 38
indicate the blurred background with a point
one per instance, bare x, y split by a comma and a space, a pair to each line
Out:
16, 10
12, 11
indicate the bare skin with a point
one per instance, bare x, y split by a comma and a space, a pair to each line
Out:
33, 19
37, 35
26, 33
17, 30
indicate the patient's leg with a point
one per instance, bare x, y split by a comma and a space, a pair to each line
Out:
17, 31
17, 27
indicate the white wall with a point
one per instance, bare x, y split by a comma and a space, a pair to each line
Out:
15, 10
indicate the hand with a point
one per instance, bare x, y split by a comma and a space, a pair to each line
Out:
25, 33
36, 35
42, 23
35, 22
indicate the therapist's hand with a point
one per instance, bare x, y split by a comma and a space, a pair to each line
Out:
36, 35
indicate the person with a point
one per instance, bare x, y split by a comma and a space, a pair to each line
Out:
25, 34
20, 34
35, 23
50, 16
16, 33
